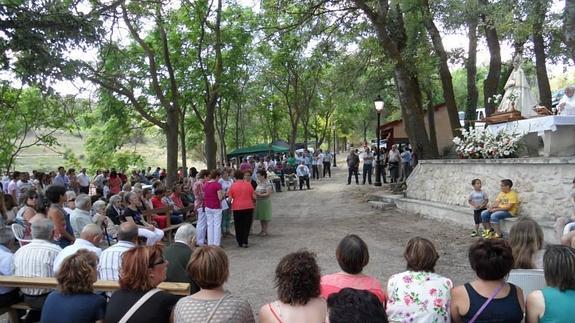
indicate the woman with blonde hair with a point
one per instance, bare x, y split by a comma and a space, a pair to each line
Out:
526, 241
74, 301
143, 269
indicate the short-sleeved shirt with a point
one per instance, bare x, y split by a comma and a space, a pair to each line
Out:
478, 197
241, 193
231, 309
331, 284
211, 199
157, 309
77, 308
505, 199
157, 203
198, 190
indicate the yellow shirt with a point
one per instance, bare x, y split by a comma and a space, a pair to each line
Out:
506, 199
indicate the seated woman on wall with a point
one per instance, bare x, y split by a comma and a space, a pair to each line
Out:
488, 298
526, 241
143, 269
298, 284
553, 303
74, 301
419, 293
352, 256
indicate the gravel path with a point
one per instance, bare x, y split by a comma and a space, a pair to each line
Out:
317, 220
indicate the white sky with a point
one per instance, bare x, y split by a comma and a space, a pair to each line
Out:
451, 41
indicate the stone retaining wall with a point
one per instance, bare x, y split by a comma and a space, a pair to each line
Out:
543, 184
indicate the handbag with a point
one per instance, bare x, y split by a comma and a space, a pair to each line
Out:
482, 308
138, 304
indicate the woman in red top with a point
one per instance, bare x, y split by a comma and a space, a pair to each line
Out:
114, 182
242, 194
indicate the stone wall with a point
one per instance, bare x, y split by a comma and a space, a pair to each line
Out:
543, 184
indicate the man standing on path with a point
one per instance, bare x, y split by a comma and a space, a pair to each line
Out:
367, 157
393, 159
327, 157
352, 166
84, 181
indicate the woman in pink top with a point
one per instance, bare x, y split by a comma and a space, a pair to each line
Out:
242, 194
213, 195
352, 255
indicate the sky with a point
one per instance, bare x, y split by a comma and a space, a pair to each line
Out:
451, 41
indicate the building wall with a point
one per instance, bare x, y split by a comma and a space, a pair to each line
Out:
440, 188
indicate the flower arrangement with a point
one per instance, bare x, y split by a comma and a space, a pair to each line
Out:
495, 99
482, 144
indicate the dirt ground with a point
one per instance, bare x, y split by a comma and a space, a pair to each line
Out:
317, 220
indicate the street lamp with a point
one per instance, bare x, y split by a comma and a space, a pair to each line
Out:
334, 161
378, 102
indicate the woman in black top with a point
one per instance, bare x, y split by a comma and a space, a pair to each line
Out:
133, 214
143, 269
492, 261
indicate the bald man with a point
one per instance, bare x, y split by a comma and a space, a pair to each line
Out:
90, 239
110, 259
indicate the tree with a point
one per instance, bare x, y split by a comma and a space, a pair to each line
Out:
569, 27
29, 119
538, 15
492, 81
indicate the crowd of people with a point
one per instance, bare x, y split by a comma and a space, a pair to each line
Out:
79, 233
395, 162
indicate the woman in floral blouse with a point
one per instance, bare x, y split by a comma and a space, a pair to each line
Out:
419, 294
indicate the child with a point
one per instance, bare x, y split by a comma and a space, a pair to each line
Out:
478, 201
505, 206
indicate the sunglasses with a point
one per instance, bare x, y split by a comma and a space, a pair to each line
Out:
33, 197
159, 262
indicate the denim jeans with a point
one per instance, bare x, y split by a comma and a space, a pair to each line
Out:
494, 217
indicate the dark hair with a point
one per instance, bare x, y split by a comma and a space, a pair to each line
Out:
214, 174
28, 194
355, 306
209, 267
559, 266
352, 254
53, 193
159, 191
491, 259
297, 278
193, 172
420, 255
203, 173
238, 174
507, 182
475, 181
263, 173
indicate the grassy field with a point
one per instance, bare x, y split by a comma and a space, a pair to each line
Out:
46, 159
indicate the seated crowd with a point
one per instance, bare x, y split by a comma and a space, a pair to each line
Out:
82, 239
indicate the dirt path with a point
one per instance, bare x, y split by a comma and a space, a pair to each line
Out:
317, 220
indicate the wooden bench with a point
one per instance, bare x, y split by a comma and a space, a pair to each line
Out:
182, 289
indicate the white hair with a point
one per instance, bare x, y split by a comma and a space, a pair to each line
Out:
83, 202
185, 233
42, 229
98, 205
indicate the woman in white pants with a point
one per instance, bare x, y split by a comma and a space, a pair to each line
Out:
132, 214
198, 190
213, 195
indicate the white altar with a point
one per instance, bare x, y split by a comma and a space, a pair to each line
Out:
558, 133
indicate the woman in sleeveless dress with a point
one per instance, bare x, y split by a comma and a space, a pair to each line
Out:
488, 298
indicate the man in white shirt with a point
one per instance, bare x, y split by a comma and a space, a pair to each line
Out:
302, 173
24, 182
84, 181
90, 239
566, 106
111, 258
367, 157
36, 259
327, 163
13, 187
8, 295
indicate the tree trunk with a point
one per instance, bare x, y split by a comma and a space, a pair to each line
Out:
172, 131
471, 67
445, 74
292, 139
569, 27
183, 141
431, 121
412, 113
540, 7
492, 81
211, 147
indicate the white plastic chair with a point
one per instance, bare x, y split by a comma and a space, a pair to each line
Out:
18, 231
528, 279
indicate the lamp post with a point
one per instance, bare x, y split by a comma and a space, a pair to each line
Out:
378, 102
334, 149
